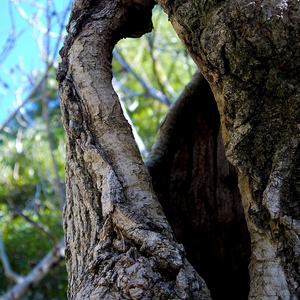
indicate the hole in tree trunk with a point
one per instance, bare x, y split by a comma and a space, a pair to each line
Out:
198, 190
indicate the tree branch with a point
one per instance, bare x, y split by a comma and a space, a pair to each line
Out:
45, 229
58, 186
36, 275
149, 89
137, 137
6, 265
160, 149
28, 99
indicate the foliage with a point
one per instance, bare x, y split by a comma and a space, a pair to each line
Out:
159, 59
27, 186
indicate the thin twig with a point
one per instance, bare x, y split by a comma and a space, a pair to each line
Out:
32, 203
137, 137
45, 229
12, 38
151, 40
29, 98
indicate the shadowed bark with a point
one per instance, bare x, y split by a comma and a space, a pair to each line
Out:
197, 188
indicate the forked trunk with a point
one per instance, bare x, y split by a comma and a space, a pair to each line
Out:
119, 244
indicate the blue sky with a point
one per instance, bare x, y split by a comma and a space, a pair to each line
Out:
25, 53
26, 58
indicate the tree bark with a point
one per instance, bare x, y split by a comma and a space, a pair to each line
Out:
197, 188
119, 244
249, 53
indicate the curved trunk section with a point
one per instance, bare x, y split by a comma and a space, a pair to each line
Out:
119, 244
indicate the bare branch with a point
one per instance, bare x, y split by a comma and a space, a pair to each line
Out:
58, 186
12, 37
30, 98
59, 189
149, 89
6, 265
151, 40
26, 101
45, 229
32, 204
37, 274
121, 87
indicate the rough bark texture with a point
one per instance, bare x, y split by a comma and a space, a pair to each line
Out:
197, 188
249, 51
119, 244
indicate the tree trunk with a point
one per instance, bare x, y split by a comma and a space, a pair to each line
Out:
249, 53
119, 244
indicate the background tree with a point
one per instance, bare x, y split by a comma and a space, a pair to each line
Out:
32, 155
119, 244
